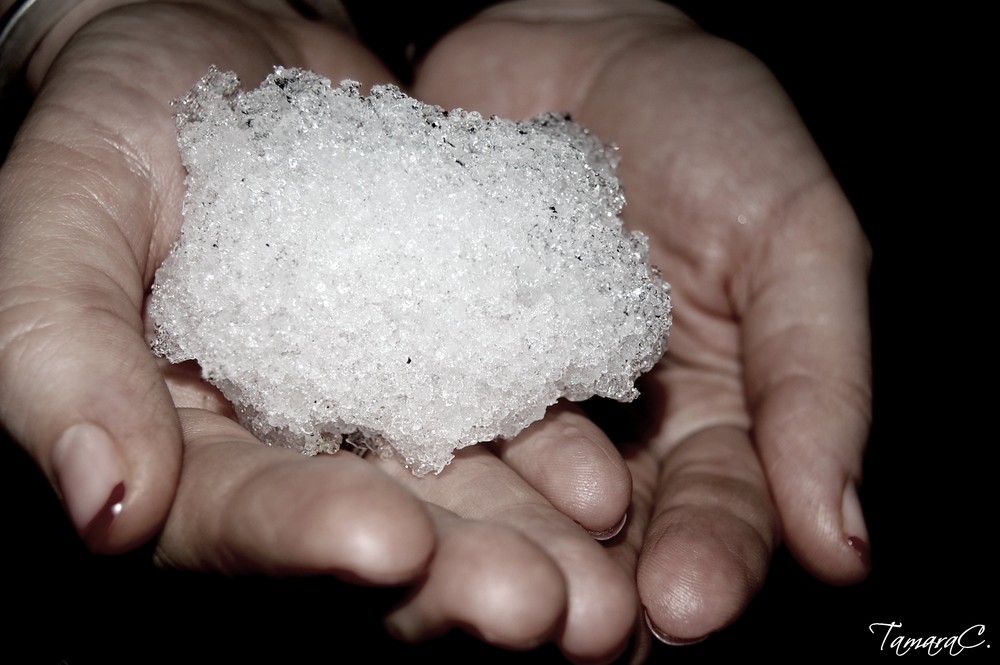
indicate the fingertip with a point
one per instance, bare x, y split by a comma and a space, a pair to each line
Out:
571, 462
110, 509
387, 551
83, 396
842, 562
832, 543
90, 477
597, 596
855, 528
667, 638
491, 581
698, 572
371, 530
279, 512
608, 534
863, 550
603, 610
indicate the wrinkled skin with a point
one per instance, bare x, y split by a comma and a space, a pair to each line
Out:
750, 432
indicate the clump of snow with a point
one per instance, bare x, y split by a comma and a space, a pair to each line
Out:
371, 270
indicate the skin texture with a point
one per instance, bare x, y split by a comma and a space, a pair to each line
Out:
752, 430
766, 387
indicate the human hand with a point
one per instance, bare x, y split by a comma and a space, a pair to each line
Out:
755, 424
90, 204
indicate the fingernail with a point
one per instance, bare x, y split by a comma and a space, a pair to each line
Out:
670, 639
863, 550
854, 525
612, 532
90, 479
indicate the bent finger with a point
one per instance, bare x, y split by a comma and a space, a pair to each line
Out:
710, 540
78, 386
601, 602
571, 462
490, 581
808, 377
245, 507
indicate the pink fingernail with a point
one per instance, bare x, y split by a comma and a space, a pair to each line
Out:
854, 524
863, 550
670, 639
612, 532
96, 533
90, 478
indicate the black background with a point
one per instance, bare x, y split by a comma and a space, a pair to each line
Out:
891, 100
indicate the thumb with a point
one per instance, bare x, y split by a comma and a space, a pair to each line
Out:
809, 379
79, 388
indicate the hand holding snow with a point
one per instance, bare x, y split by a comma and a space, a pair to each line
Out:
377, 270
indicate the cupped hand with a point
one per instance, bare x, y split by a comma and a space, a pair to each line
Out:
91, 200
754, 426
502, 543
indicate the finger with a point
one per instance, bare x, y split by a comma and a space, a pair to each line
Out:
601, 603
569, 460
808, 376
245, 507
89, 204
83, 188
710, 539
490, 581
78, 386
